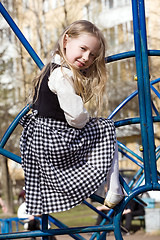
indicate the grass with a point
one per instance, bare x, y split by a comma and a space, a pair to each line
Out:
79, 216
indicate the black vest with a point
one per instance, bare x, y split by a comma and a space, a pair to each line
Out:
47, 102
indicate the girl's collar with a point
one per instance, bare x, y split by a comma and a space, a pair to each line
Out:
57, 59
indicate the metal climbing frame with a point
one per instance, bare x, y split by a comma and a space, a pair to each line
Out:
146, 119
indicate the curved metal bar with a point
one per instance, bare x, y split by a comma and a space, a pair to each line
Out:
122, 104
129, 54
153, 52
13, 125
120, 209
120, 56
133, 121
131, 96
129, 150
10, 155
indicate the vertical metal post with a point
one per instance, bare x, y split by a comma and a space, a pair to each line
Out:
146, 80
45, 224
141, 54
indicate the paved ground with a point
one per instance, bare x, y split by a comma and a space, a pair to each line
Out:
140, 235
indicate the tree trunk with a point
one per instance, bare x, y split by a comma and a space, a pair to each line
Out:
7, 186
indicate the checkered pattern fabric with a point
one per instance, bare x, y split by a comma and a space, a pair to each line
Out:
63, 165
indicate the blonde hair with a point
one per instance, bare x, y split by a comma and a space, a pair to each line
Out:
93, 81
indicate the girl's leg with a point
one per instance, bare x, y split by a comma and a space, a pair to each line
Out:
113, 183
114, 194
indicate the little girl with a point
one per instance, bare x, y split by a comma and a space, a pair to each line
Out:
66, 154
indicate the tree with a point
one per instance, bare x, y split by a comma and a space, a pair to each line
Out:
9, 88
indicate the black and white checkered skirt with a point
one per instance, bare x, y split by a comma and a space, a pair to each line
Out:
63, 165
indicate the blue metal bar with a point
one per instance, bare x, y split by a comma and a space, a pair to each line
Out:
127, 121
146, 85
13, 125
131, 96
10, 155
121, 105
155, 91
129, 150
102, 236
155, 109
97, 198
141, 96
158, 95
119, 211
97, 211
139, 181
21, 37
129, 54
62, 225
158, 155
129, 192
132, 159
153, 52
119, 56
136, 176
50, 232
44, 225
133, 121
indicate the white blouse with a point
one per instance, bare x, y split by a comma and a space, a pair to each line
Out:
72, 105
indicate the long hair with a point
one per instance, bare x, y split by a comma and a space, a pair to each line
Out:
93, 81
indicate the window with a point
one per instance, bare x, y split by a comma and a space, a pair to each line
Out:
61, 2
54, 4
110, 3
107, 3
86, 12
45, 6
29, 66
120, 34
27, 33
25, 4
112, 34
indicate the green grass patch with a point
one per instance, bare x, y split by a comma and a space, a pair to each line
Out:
78, 216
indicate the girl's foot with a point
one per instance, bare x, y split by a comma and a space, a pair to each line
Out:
112, 199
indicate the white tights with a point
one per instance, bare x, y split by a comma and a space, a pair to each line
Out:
113, 183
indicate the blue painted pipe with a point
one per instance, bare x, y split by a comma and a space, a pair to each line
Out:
141, 95
147, 92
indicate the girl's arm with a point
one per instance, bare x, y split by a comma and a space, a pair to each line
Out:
72, 104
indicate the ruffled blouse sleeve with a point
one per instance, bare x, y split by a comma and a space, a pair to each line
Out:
61, 84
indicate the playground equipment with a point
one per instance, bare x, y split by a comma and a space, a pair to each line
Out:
147, 164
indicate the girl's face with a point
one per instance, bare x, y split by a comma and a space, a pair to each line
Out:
81, 51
